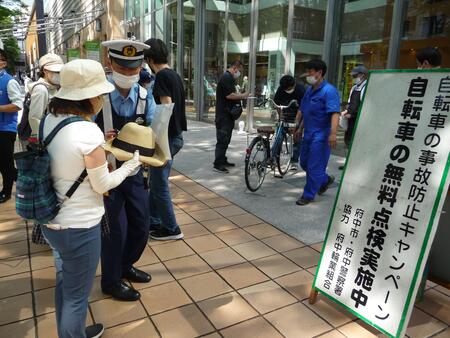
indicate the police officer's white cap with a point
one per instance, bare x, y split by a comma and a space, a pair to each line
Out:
126, 53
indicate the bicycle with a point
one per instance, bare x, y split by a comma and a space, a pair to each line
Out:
260, 155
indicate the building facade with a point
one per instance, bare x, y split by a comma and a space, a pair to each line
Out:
275, 37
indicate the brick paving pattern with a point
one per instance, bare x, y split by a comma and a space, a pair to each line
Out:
232, 276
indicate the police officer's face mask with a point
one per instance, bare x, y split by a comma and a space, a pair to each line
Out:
124, 81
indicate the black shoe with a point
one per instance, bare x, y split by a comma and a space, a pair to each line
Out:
136, 275
220, 169
341, 167
4, 197
303, 201
94, 331
166, 235
294, 166
122, 291
326, 186
228, 164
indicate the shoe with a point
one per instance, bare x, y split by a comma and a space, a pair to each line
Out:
228, 164
326, 186
94, 331
341, 167
122, 291
166, 235
294, 167
303, 201
4, 197
220, 169
136, 275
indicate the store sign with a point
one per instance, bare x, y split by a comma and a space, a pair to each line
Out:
73, 54
390, 198
92, 50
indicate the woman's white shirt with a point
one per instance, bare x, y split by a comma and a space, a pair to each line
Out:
67, 150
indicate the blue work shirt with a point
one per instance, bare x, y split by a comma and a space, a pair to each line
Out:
126, 106
317, 107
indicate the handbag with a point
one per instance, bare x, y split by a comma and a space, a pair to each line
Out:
236, 111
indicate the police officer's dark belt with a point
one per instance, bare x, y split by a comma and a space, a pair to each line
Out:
131, 148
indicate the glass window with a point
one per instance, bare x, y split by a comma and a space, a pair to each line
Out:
427, 23
158, 3
270, 57
369, 43
159, 24
214, 53
172, 26
308, 27
188, 56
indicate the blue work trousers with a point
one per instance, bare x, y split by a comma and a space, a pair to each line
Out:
314, 156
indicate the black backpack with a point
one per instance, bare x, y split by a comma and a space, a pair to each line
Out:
24, 128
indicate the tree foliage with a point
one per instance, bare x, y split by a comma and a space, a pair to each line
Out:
9, 9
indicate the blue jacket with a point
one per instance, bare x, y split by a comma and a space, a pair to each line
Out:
8, 121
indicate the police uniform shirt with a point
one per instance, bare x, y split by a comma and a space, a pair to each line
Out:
126, 106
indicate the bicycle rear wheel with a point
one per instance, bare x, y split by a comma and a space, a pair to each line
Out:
256, 164
284, 154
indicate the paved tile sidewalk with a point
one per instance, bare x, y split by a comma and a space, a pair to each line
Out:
233, 276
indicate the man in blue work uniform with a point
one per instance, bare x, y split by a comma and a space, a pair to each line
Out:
10, 104
320, 113
127, 205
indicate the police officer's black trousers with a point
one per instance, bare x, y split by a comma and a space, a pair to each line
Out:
127, 208
7, 169
224, 130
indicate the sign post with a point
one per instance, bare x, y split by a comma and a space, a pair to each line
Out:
390, 198
92, 50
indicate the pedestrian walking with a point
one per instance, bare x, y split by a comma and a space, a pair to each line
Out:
359, 75
127, 205
10, 104
287, 91
320, 113
168, 88
226, 97
74, 234
43, 90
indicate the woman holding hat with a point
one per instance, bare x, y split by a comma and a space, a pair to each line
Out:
43, 90
75, 234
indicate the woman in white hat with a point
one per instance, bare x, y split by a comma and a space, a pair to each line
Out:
75, 234
43, 90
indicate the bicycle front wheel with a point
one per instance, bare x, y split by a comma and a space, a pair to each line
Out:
284, 154
255, 164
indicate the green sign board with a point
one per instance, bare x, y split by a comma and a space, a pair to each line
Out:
73, 54
92, 50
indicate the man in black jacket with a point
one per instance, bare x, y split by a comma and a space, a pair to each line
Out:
226, 95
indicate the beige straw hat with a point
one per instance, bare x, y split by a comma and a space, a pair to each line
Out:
83, 79
134, 137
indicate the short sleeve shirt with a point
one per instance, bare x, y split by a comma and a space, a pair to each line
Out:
169, 83
226, 86
67, 150
317, 107
282, 98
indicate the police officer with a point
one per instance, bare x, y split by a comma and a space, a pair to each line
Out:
10, 104
320, 112
126, 205
359, 75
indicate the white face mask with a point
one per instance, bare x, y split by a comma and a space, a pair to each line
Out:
290, 91
124, 81
358, 80
237, 74
312, 80
55, 79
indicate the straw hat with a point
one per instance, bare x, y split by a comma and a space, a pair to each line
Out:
83, 79
51, 62
134, 137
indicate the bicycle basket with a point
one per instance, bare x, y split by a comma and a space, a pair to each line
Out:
289, 113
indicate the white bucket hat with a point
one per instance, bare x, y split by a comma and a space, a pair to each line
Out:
51, 62
83, 79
